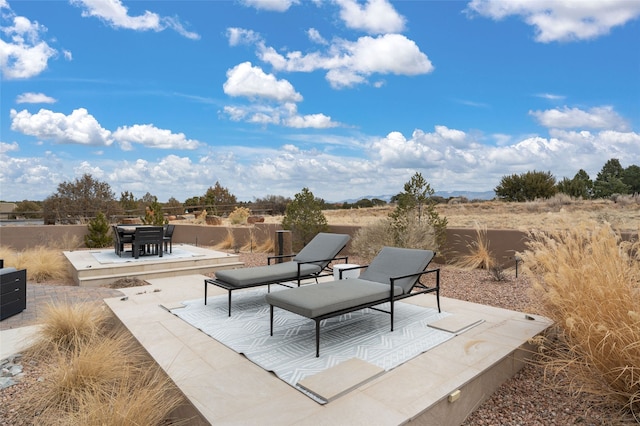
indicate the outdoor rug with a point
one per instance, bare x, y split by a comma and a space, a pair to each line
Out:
110, 256
290, 352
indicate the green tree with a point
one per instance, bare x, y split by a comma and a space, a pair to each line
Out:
99, 234
304, 218
154, 215
527, 186
193, 204
174, 207
275, 204
218, 199
128, 202
81, 199
417, 208
581, 186
631, 177
28, 210
609, 180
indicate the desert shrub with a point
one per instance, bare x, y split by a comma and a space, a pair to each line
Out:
41, 263
368, 240
497, 273
99, 234
627, 199
588, 280
478, 254
559, 200
239, 215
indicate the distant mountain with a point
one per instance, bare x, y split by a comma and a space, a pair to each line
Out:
470, 195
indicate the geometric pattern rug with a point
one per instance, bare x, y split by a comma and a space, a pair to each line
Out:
290, 352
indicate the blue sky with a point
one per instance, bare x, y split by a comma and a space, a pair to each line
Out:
348, 98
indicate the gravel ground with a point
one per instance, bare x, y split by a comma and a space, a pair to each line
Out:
527, 399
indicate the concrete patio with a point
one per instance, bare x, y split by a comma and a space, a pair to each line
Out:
440, 387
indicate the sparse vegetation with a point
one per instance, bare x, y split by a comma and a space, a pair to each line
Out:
96, 374
478, 254
589, 282
42, 263
239, 215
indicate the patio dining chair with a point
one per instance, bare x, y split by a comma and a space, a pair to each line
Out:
168, 237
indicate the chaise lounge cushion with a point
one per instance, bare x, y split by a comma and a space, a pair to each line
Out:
320, 250
397, 262
261, 274
320, 299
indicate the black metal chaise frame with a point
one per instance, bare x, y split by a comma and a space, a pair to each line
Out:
313, 261
380, 282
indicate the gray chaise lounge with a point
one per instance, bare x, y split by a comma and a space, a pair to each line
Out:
394, 274
312, 261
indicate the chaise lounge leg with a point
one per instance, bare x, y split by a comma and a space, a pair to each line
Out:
229, 302
205, 292
271, 317
391, 314
317, 338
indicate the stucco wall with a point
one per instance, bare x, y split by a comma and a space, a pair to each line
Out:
503, 243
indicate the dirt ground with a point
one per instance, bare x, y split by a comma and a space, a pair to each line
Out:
549, 214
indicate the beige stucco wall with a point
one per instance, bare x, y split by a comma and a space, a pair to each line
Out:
503, 243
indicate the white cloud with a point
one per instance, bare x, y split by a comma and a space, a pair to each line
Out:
315, 36
449, 158
34, 98
77, 128
551, 96
349, 63
23, 54
114, 13
376, 16
285, 114
562, 20
603, 117
152, 137
270, 5
251, 82
238, 36
8, 147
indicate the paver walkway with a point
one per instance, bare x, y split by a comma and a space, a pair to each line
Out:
39, 296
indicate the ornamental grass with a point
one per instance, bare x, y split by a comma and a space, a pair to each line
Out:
95, 373
588, 280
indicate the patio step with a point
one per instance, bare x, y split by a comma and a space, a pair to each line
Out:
102, 280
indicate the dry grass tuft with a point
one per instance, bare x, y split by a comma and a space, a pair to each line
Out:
41, 263
67, 327
96, 374
228, 243
67, 242
479, 254
266, 246
589, 282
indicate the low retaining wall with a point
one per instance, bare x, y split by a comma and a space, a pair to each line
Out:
503, 243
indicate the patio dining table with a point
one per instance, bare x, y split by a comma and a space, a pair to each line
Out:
150, 245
